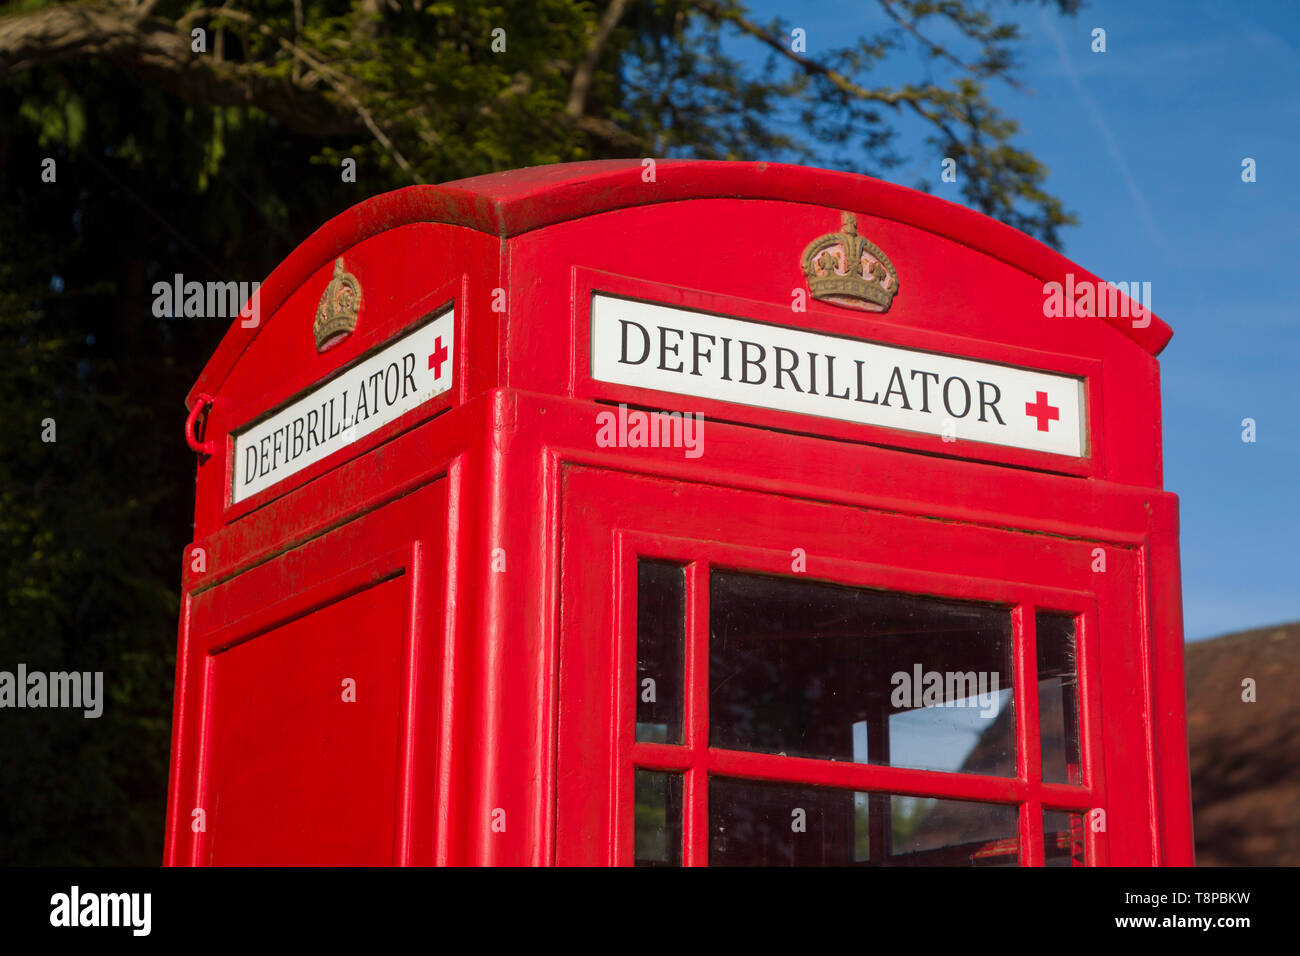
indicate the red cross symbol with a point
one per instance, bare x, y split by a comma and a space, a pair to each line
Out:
439, 355
1039, 409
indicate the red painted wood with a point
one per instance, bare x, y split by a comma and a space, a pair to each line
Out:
278, 761
475, 559
611, 518
279, 723
1029, 764
829, 319
510, 204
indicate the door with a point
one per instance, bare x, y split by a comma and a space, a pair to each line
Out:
752, 679
315, 736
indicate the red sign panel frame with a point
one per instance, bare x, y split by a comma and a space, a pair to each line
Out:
856, 325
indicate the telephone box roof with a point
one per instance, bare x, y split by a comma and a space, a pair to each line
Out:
510, 203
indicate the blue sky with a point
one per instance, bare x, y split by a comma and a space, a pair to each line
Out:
1145, 144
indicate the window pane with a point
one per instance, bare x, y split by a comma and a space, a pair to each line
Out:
658, 818
777, 824
754, 823
932, 832
809, 669
1058, 699
1062, 838
660, 642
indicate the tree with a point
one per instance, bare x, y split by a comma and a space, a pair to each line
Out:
207, 141
426, 90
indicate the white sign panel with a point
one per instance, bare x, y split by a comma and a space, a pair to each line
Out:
771, 366
399, 377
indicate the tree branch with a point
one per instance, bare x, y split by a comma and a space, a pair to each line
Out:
161, 51
895, 98
153, 49
586, 71
339, 86
935, 48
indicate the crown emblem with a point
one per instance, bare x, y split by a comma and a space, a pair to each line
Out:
336, 315
848, 270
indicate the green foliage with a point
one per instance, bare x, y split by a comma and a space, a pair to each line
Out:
215, 165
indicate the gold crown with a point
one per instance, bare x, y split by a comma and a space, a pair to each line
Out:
336, 315
848, 270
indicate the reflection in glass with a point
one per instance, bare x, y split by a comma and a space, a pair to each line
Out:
660, 642
810, 669
932, 832
1062, 838
1058, 698
758, 823
657, 823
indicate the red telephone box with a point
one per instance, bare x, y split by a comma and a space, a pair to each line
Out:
698, 513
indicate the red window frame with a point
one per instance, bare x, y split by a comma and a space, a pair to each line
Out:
608, 546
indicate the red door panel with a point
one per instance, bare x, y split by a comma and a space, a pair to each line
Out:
299, 771
314, 668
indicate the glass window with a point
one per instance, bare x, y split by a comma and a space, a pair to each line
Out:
658, 818
931, 832
660, 644
1062, 838
810, 669
802, 668
753, 823
1058, 699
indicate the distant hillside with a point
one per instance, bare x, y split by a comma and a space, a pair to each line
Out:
1245, 758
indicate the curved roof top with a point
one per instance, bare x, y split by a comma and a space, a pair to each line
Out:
507, 204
